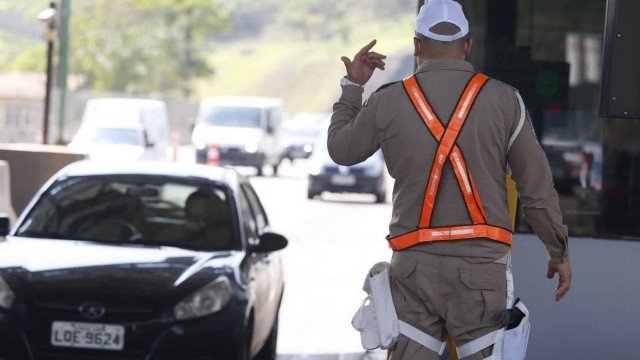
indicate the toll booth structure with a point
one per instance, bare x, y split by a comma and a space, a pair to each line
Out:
575, 62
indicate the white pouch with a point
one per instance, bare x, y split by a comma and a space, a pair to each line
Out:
366, 323
514, 346
377, 320
508, 344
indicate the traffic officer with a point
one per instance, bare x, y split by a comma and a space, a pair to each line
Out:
449, 136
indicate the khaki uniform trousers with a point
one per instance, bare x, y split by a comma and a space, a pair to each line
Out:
446, 294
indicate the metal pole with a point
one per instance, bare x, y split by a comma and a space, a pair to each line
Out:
62, 66
47, 97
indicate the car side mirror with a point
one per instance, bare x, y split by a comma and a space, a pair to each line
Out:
270, 242
5, 225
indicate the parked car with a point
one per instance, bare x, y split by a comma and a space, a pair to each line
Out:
242, 131
301, 134
368, 177
117, 129
141, 261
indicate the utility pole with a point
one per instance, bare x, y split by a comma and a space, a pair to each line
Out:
47, 16
65, 14
188, 54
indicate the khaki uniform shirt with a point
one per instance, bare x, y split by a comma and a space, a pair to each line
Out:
497, 135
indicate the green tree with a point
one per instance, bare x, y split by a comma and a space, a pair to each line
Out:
143, 46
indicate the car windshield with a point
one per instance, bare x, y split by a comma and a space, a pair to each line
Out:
148, 210
233, 116
117, 136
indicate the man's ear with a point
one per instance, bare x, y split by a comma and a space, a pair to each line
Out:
468, 46
416, 46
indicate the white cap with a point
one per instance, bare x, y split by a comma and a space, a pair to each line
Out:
438, 11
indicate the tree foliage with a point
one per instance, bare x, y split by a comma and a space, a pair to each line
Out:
143, 46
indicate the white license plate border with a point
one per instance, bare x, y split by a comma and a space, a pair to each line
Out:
120, 329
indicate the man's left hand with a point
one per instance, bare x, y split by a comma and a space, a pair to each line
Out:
364, 64
564, 277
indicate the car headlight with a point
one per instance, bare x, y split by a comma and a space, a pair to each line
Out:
251, 148
6, 295
208, 300
315, 168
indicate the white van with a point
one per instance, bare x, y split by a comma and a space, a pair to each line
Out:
244, 131
119, 129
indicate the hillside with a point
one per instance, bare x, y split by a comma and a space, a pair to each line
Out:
304, 73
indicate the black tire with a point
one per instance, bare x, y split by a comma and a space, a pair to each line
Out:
275, 169
381, 198
269, 351
259, 168
311, 195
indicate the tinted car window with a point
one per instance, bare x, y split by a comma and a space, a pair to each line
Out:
141, 209
258, 211
117, 136
233, 116
248, 220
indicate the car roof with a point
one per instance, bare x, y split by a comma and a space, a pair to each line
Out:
242, 101
223, 175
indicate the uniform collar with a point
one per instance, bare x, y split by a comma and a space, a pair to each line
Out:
445, 64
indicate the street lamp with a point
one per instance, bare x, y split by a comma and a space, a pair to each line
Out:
48, 17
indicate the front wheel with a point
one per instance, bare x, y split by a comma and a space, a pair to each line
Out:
381, 198
269, 351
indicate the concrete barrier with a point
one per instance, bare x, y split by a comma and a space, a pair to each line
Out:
5, 192
31, 166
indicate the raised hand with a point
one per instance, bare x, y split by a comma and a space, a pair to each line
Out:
364, 63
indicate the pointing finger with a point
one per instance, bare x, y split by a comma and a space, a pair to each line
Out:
368, 47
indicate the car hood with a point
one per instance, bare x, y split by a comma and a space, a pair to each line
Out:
70, 271
227, 136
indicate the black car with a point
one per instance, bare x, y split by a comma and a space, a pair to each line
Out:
368, 177
141, 261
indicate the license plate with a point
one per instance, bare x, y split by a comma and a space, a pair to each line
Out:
87, 335
343, 180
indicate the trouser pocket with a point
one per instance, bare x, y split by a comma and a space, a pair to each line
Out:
402, 266
481, 296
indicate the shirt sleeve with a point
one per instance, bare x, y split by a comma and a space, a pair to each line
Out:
540, 202
352, 133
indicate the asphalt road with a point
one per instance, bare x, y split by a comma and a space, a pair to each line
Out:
332, 244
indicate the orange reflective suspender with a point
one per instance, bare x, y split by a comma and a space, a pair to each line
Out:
447, 149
